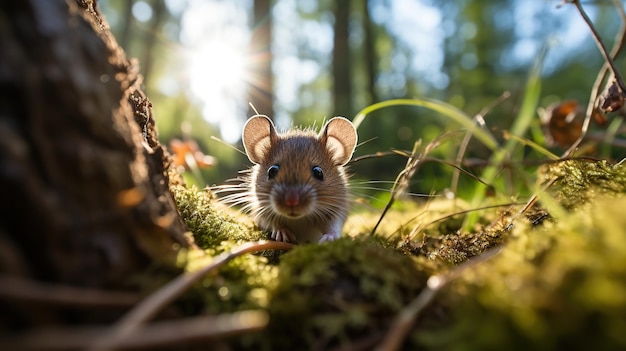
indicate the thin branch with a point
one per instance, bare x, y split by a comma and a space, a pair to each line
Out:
595, 91
603, 50
405, 320
150, 306
620, 39
159, 334
617, 47
402, 181
30, 291
480, 120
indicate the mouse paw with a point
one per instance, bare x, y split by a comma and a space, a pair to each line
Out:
283, 235
330, 237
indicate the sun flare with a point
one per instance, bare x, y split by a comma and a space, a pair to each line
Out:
216, 48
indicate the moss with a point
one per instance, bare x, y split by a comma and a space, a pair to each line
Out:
562, 286
339, 291
242, 283
580, 181
209, 222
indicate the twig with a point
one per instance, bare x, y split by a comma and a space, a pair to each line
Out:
459, 169
374, 155
414, 160
405, 320
25, 290
603, 50
401, 181
620, 38
161, 334
480, 120
595, 92
617, 47
150, 306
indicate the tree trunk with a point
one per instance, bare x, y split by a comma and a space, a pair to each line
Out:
84, 181
159, 16
125, 36
370, 57
261, 86
342, 74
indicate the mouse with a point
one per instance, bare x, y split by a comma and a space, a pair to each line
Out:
297, 190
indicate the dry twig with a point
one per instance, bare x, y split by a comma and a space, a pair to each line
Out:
480, 121
609, 64
405, 320
30, 291
159, 334
620, 40
150, 306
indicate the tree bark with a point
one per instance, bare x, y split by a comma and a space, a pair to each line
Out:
125, 35
342, 74
84, 181
159, 16
370, 57
261, 81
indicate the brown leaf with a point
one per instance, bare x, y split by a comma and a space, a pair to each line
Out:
613, 99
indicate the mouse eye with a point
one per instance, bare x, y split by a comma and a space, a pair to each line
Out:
272, 172
317, 173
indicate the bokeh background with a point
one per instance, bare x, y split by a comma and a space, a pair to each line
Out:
204, 61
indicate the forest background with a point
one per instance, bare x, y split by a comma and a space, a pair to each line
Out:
299, 62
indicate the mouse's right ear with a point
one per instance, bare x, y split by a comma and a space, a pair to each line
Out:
258, 135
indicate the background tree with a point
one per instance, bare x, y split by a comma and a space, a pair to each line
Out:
261, 93
341, 67
466, 53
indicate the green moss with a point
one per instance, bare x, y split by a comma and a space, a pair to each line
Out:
244, 282
580, 181
562, 286
558, 285
342, 290
210, 223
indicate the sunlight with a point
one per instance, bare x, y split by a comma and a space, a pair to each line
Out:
216, 72
216, 66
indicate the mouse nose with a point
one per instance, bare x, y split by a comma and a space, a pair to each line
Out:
292, 198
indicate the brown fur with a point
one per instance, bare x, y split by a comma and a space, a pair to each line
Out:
322, 204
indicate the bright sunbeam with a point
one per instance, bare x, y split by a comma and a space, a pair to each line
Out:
216, 38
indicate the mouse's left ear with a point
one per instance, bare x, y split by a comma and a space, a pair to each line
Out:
339, 136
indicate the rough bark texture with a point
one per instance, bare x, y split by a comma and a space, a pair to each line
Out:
83, 179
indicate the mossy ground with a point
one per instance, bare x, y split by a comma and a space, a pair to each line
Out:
560, 284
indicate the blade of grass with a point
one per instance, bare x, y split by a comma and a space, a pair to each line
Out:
520, 126
540, 149
443, 108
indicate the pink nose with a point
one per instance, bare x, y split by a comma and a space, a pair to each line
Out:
292, 198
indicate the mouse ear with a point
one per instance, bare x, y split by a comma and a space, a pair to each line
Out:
258, 135
340, 138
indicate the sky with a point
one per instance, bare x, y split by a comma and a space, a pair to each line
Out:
214, 37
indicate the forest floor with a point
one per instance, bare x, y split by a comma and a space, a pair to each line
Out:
551, 278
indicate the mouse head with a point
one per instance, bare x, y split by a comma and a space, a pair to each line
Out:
299, 174
338, 137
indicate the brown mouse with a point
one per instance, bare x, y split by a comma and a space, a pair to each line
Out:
298, 188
